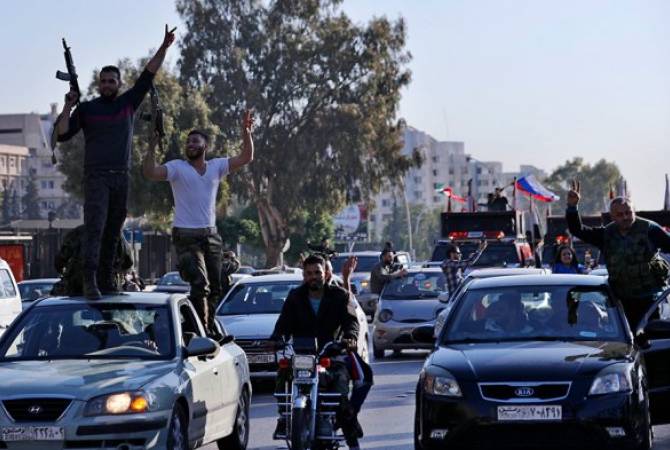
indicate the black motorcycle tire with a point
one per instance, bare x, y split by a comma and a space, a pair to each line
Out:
300, 432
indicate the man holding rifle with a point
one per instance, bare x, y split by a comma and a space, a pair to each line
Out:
107, 122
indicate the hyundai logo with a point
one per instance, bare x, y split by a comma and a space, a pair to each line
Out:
35, 410
524, 392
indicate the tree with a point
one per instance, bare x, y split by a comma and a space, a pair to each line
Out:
596, 181
234, 230
325, 93
31, 198
425, 229
184, 108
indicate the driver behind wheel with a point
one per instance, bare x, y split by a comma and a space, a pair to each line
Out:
319, 310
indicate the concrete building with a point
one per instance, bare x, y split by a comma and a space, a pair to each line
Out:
445, 164
32, 131
13, 168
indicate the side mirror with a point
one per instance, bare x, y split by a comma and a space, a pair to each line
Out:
444, 297
424, 335
657, 329
202, 347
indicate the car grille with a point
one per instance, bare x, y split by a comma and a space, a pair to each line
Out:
519, 392
36, 409
255, 346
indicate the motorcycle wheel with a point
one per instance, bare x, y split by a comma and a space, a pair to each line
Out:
300, 428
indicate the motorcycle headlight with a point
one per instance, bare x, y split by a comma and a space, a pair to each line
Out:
610, 381
385, 315
120, 403
444, 384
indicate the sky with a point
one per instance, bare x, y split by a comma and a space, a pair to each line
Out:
519, 81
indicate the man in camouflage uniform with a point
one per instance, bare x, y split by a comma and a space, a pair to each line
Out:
69, 264
630, 245
195, 183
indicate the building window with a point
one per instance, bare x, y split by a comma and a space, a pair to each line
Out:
12, 163
386, 202
32, 151
51, 184
2, 162
451, 171
435, 172
418, 194
417, 180
436, 199
43, 184
435, 159
479, 170
387, 217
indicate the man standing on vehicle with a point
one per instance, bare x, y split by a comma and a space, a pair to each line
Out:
453, 266
195, 183
630, 245
107, 122
384, 271
317, 309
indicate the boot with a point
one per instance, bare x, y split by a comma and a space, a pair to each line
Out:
280, 430
108, 282
90, 287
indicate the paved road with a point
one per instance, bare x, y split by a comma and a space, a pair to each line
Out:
386, 417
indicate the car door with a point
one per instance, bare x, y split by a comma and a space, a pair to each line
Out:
10, 300
657, 363
205, 380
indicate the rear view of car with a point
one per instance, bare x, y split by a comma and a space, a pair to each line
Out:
31, 290
405, 304
172, 282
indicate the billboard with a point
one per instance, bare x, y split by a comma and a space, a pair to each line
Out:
351, 223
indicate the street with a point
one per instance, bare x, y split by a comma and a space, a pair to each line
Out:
387, 414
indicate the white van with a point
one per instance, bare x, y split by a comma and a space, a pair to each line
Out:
10, 300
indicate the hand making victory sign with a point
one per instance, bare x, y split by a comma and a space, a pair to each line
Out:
574, 193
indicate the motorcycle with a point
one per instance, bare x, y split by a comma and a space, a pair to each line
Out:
309, 410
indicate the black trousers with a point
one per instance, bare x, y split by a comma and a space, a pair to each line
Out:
636, 308
105, 209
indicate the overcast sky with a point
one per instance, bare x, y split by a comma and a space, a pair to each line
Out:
520, 81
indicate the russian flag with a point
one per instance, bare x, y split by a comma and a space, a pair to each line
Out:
530, 186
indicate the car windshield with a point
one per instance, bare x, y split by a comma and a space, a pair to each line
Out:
535, 313
365, 263
172, 279
33, 291
91, 330
416, 285
257, 298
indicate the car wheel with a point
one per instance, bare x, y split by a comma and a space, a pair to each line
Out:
646, 432
178, 433
417, 441
239, 438
378, 352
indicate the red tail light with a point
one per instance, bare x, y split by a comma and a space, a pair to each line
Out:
458, 235
284, 363
324, 362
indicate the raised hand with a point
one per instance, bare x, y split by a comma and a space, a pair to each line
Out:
71, 98
169, 37
574, 193
349, 266
248, 122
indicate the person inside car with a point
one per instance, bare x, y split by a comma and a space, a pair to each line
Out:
507, 316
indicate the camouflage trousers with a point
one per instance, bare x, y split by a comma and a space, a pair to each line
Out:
199, 264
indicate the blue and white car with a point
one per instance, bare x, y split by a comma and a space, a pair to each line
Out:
131, 371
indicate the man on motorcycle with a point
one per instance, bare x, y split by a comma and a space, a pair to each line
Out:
319, 310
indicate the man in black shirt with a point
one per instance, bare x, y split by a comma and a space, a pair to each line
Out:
107, 122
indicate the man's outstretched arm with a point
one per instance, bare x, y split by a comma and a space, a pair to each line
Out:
247, 154
593, 236
155, 63
149, 168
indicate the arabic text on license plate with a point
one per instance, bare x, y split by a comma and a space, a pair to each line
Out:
530, 412
261, 359
10, 434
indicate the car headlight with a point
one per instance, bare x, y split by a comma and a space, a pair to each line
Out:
119, 403
385, 315
610, 381
444, 384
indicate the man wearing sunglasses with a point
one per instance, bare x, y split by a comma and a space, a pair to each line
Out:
454, 265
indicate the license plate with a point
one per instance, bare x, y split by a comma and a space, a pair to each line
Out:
530, 412
261, 359
32, 434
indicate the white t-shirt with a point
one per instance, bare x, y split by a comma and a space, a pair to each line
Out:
195, 194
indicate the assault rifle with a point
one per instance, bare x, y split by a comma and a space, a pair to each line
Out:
156, 115
71, 77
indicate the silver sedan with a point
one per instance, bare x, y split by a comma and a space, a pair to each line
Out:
128, 372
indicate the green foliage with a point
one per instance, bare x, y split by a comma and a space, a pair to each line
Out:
235, 231
325, 93
596, 181
184, 108
308, 228
31, 206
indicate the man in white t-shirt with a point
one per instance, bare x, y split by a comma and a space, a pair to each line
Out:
195, 183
